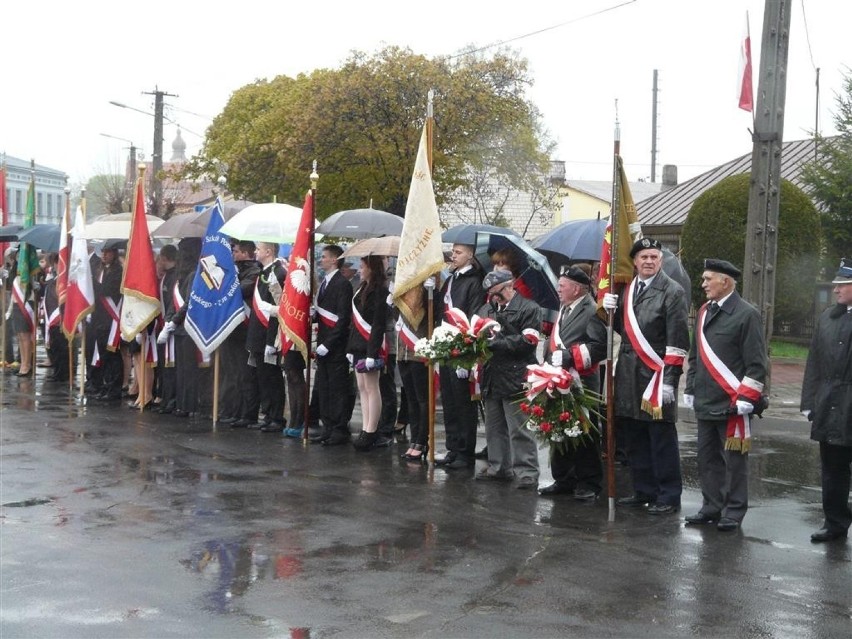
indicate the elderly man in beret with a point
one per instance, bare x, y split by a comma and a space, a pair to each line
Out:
827, 402
512, 449
578, 341
727, 371
652, 319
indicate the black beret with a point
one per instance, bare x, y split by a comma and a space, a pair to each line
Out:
575, 273
844, 273
495, 277
645, 243
722, 266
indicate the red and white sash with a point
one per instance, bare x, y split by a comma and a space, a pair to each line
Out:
327, 317
257, 306
365, 330
96, 356
738, 434
20, 300
652, 398
406, 335
50, 321
114, 310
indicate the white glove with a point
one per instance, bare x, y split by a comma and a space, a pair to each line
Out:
610, 301
169, 327
462, 373
350, 358
4, 273
266, 307
138, 338
689, 401
9, 313
163, 337
744, 408
429, 283
807, 414
556, 358
370, 364
313, 312
389, 299
322, 351
269, 351
668, 394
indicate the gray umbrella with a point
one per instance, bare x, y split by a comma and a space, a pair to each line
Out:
361, 223
674, 269
230, 209
466, 233
41, 236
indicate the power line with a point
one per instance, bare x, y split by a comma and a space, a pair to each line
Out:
808, 35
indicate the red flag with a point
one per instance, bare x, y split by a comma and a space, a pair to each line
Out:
746, 97
139, 282
64, 253
80, 294
295, 304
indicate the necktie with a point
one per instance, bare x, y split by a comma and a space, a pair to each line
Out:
322, 287
640, 286
711, 311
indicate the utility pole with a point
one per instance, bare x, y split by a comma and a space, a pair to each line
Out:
156, 182
654, 129
761, 248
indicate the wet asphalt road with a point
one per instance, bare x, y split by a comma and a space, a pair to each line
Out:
121, 524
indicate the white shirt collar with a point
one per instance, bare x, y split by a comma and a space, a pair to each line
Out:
724, 299
463, 269
329, 275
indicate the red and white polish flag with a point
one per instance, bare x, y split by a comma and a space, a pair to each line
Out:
746, 94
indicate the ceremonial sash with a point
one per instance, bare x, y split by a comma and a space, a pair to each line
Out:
738, 431
114, 310
448, 298
21, 302
406, 335
203, 360
262, 315
96, 356
50, 321
652, 397
327, 317
556, 342
365, 330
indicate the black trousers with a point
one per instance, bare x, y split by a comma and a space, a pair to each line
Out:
334, 385
390, 403
294, 375
654, 456
415, 383
836, 472
232, 361
579, 467
270, 383
186, 374
459, 414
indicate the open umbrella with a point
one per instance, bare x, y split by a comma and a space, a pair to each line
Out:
574, 241
42, 236
466, 233
183, 225
385, 245
361, 223
537, 280
267, 222
674, 269
9, 232
117, 225
229, 210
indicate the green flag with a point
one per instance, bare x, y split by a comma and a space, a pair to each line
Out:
27, 256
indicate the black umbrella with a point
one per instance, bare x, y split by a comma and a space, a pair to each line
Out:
361, 223
41, 236
466, 233
674, 269
574, 241
9, 232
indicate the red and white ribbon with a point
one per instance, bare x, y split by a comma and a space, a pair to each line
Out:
406, 335
113, 308
364, 328
327, 317
545, 378
473, 326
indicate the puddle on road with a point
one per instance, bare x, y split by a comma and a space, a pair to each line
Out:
33, 501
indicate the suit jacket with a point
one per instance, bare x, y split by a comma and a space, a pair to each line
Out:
107, 285
661, 312
260, 336
582, 327
505, 373
466, 293
374, 309
336, 299
827, 386
735, 334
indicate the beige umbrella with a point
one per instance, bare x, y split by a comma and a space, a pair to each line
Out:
385, 245
117, 226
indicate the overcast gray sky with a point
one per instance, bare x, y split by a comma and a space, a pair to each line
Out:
64, 62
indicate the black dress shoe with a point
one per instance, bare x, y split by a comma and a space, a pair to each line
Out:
272, 427
459, 462
662, 509
482, 454
240, 423
826, 534
726, 524
337, 439
585, 494
555, 489
227, 421
319, 438
634, 501
446, 459
699, 519
180, 413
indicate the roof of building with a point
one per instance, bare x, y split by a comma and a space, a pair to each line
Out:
672, 207
602, 189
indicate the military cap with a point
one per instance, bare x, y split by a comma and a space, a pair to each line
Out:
722, 266
645, 243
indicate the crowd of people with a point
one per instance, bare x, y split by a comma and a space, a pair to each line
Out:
364, 350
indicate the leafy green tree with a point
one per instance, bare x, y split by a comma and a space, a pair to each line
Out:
362, 123
716, 227
829, 179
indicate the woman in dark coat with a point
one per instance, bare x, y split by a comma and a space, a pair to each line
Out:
367, 346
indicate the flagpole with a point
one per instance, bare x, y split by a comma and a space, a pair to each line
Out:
610, 383
430, 292
81, 358
314, 177
215, 388
65, 275
141, 377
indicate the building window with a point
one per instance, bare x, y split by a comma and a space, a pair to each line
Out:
18, 199
49, 210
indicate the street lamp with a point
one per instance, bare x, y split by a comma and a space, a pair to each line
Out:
133, 156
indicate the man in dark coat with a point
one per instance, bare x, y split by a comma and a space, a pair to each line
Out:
260, 340
105, 323
652, 320
512, 449
166, 388
727, 371
578, 341
827, 402
461, 290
